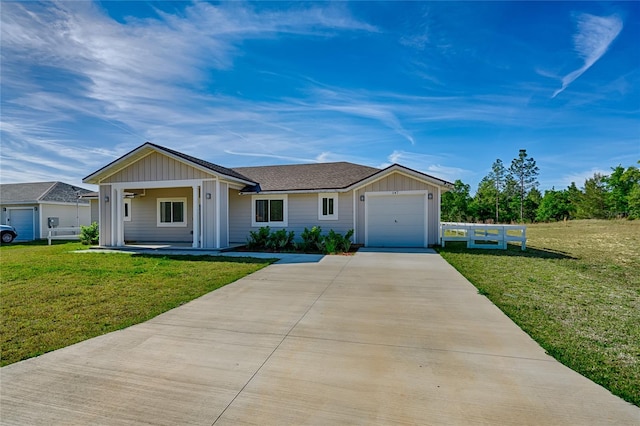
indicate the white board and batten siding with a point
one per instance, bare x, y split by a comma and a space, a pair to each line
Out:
222, 228
239, 217
104, 214
208, 213
156, 167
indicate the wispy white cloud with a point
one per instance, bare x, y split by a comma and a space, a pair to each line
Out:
580, 177
272, 156
419, 36
426, 163
381, 113
595, 35
82, 88
141, 79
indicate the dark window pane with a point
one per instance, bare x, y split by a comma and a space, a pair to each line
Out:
325, 207
277, 211
262, 210
178, 212
126, 209
330, 206
165, 212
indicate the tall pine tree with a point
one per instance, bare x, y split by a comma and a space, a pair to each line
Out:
525, 172
498, 176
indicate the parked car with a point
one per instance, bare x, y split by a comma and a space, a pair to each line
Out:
8, 233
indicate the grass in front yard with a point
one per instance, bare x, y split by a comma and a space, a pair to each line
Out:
51, 297
576, 291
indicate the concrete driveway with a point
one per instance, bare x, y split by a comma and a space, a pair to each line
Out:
375, 338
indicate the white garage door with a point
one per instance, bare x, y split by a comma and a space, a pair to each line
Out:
22, 220
396, 220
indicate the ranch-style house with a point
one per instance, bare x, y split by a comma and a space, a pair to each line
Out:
156, 194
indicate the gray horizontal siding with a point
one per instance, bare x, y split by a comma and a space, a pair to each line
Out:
302, 212
143, 225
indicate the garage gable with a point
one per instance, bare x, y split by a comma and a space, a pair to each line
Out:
403, 195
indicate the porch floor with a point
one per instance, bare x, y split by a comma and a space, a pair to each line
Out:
168, 247
184, 249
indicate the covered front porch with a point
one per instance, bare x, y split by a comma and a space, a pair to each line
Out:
155, 194
188, 213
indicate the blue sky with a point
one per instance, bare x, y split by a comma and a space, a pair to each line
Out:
445, 87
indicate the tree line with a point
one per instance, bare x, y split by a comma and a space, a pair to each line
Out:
510, 194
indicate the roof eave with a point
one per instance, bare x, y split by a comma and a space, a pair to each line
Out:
142, 151
296, 191
96, 177
19, 202
398, 167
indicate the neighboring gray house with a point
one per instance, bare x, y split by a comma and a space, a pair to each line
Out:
28, 207
156, 194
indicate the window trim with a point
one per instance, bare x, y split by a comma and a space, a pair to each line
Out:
285, 210
126, 208
329, 195
185, 213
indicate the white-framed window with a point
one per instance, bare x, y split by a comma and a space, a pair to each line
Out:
269, 210
172, 212
328, 206
126, 213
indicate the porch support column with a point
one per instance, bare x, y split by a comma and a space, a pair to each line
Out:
196, 216
217, 203
439, 205
355, 216
119, 202
113, 206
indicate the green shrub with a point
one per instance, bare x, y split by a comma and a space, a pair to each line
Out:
281, 240
330, 245
346, 241
311, 239
335, 242
90, 235
259, 239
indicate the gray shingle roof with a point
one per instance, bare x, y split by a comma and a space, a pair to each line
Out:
40, 192
295, 177
307, 176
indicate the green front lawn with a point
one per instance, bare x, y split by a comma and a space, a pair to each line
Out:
576, 291
51, 297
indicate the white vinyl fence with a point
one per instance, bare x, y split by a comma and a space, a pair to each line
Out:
70, 233
479, 235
